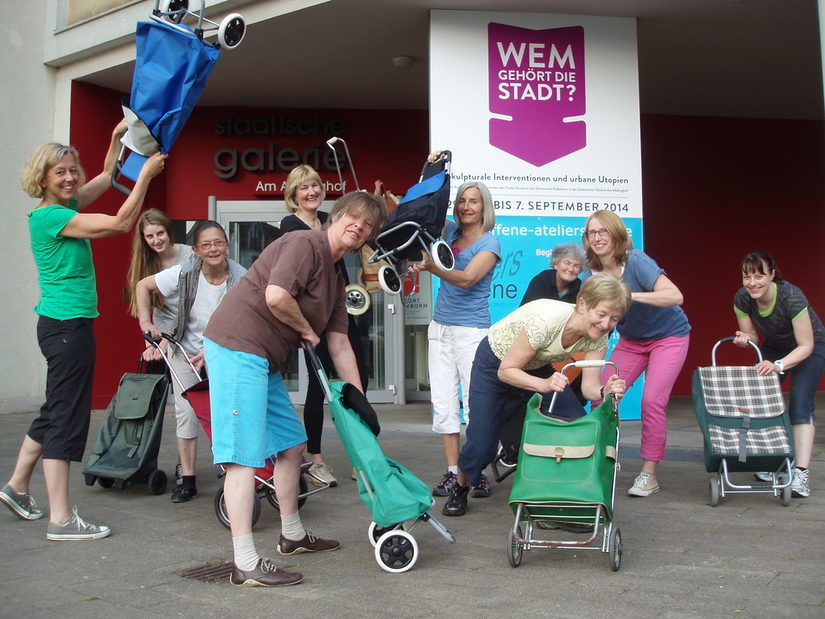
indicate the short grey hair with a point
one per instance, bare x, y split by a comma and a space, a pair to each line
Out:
567, 249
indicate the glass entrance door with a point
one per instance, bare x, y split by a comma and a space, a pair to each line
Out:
251, 226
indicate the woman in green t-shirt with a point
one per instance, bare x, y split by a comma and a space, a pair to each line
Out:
60, 236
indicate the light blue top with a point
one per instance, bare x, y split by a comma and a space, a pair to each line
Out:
642, 321
470, 307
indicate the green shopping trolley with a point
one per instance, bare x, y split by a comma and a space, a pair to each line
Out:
565, 481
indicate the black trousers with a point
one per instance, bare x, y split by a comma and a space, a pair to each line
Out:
63, 424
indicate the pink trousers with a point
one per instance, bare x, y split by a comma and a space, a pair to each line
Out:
662, 360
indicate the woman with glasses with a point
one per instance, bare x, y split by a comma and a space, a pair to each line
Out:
654, 332
198, 291
794, 343
67, 307
153, 250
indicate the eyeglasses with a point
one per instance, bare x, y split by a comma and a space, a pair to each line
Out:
207, 245
601, 232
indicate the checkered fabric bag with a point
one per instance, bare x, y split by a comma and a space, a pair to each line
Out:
762, 442
739, 392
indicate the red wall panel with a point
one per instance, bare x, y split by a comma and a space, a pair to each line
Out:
714, 188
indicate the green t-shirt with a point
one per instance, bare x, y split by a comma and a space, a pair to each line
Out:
65, 269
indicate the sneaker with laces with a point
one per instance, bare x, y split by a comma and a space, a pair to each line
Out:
764, 476
644, 485
799, 483
182, 494
76, 529
445, 487
320, 475
310, 543
20, 503
264, 574
456, 505
482, 490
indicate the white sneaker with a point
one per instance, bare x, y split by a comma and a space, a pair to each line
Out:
644, 485
799, 483
320, 474
764, 476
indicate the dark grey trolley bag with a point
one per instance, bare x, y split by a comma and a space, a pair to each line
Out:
126, 450
745, 428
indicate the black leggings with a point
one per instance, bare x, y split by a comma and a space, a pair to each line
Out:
314, 402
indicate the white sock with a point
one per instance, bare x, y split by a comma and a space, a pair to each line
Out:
246, 555
292, 528
453, 469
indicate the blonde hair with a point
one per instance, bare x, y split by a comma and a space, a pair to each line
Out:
618, 232
40, 161
297, 177
488, 211
145, 260
605, 287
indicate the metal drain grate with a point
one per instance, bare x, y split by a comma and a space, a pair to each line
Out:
210, 572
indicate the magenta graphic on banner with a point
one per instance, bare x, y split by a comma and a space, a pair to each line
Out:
537, 79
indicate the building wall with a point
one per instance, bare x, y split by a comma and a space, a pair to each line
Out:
716, 188
713, 189
27, 122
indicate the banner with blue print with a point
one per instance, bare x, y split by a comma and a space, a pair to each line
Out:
544, 110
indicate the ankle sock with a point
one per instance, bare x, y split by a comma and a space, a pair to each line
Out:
246, 555
292, 528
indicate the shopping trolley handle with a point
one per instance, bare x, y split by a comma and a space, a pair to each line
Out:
730, 339
309, 350
590, 363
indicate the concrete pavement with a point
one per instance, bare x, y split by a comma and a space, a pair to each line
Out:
750, 556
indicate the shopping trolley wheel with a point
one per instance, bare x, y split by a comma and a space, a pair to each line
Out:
389, 280
174, 10
357, 298
105, 482
223, 515
516, 549
231, 31
713, 491
785, 497
614, 548
374, 532
89, 479
157, 482
303, 488
396, 551
442, 255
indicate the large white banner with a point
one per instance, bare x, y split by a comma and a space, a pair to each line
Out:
544, 109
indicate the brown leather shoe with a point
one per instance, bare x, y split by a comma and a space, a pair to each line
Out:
310, 543
265, 574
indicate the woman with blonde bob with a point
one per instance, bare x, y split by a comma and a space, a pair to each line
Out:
154, 250
515, 361
654, 332
304, 193
67, 308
